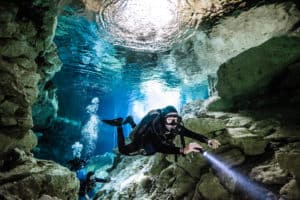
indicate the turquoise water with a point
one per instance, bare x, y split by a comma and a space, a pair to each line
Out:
124, 82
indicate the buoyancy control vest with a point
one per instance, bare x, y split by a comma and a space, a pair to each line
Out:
141, 129
151, 124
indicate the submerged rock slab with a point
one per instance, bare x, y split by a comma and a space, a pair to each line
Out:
269, 173
291, 190
27, 142
24, 177
205, 125
251, 144
211, 188
232, 35
288, 158
286, 133
255, 69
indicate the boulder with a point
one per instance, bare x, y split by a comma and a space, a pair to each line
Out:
288, 158
40, 177
27, 142
178, 183
8, 108
269, 173
239, 121
193, 163
290, 191
216, 103
8, 29
230, 36
205, 125
15, 48
285, 133
256, 68
250, 144
264, 127
158, 163
232, 157
47, 197
211, 189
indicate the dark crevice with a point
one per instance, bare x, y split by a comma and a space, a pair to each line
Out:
295, 27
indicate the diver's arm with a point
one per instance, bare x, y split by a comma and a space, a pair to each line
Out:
161, 147
191, 147
168, 149
212, 143
188, 133
103, 180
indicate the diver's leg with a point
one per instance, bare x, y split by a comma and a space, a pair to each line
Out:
125, 149
113, 122
121, 138
129, 119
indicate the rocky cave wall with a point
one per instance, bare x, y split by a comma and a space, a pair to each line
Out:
265, 145
28, 61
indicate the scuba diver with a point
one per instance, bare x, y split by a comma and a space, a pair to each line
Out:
76, 163
156, 133
88, 184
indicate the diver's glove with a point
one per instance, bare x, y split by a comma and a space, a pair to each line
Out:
191, 147
213, 143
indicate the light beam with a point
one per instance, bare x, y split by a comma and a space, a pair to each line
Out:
255, 191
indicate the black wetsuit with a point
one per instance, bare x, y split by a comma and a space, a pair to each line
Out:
88, 185
76, 163
153, 137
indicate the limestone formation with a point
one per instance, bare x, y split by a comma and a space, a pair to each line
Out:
288, 158
32, 177
291, 190
231, 35
269, 173
251, 144
257, 73
28, 58
211, 188
259, 53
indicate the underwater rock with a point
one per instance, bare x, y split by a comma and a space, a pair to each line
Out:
265, 127
8, 108
289, 133
288, 158
193, 164
25, 39
211, 189
219, 115
191, 108
47, 197
251, 144
38, 176
126, 179
230, 36
176, 183
45, 108
269, 173
255, 73
290, 191
216, 103
15, 48
205, 125
158, 163
239, 121
232, 157
27, 142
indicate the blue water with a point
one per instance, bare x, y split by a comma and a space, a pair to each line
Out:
124, 81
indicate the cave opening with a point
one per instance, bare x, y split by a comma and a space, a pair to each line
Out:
114, 78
